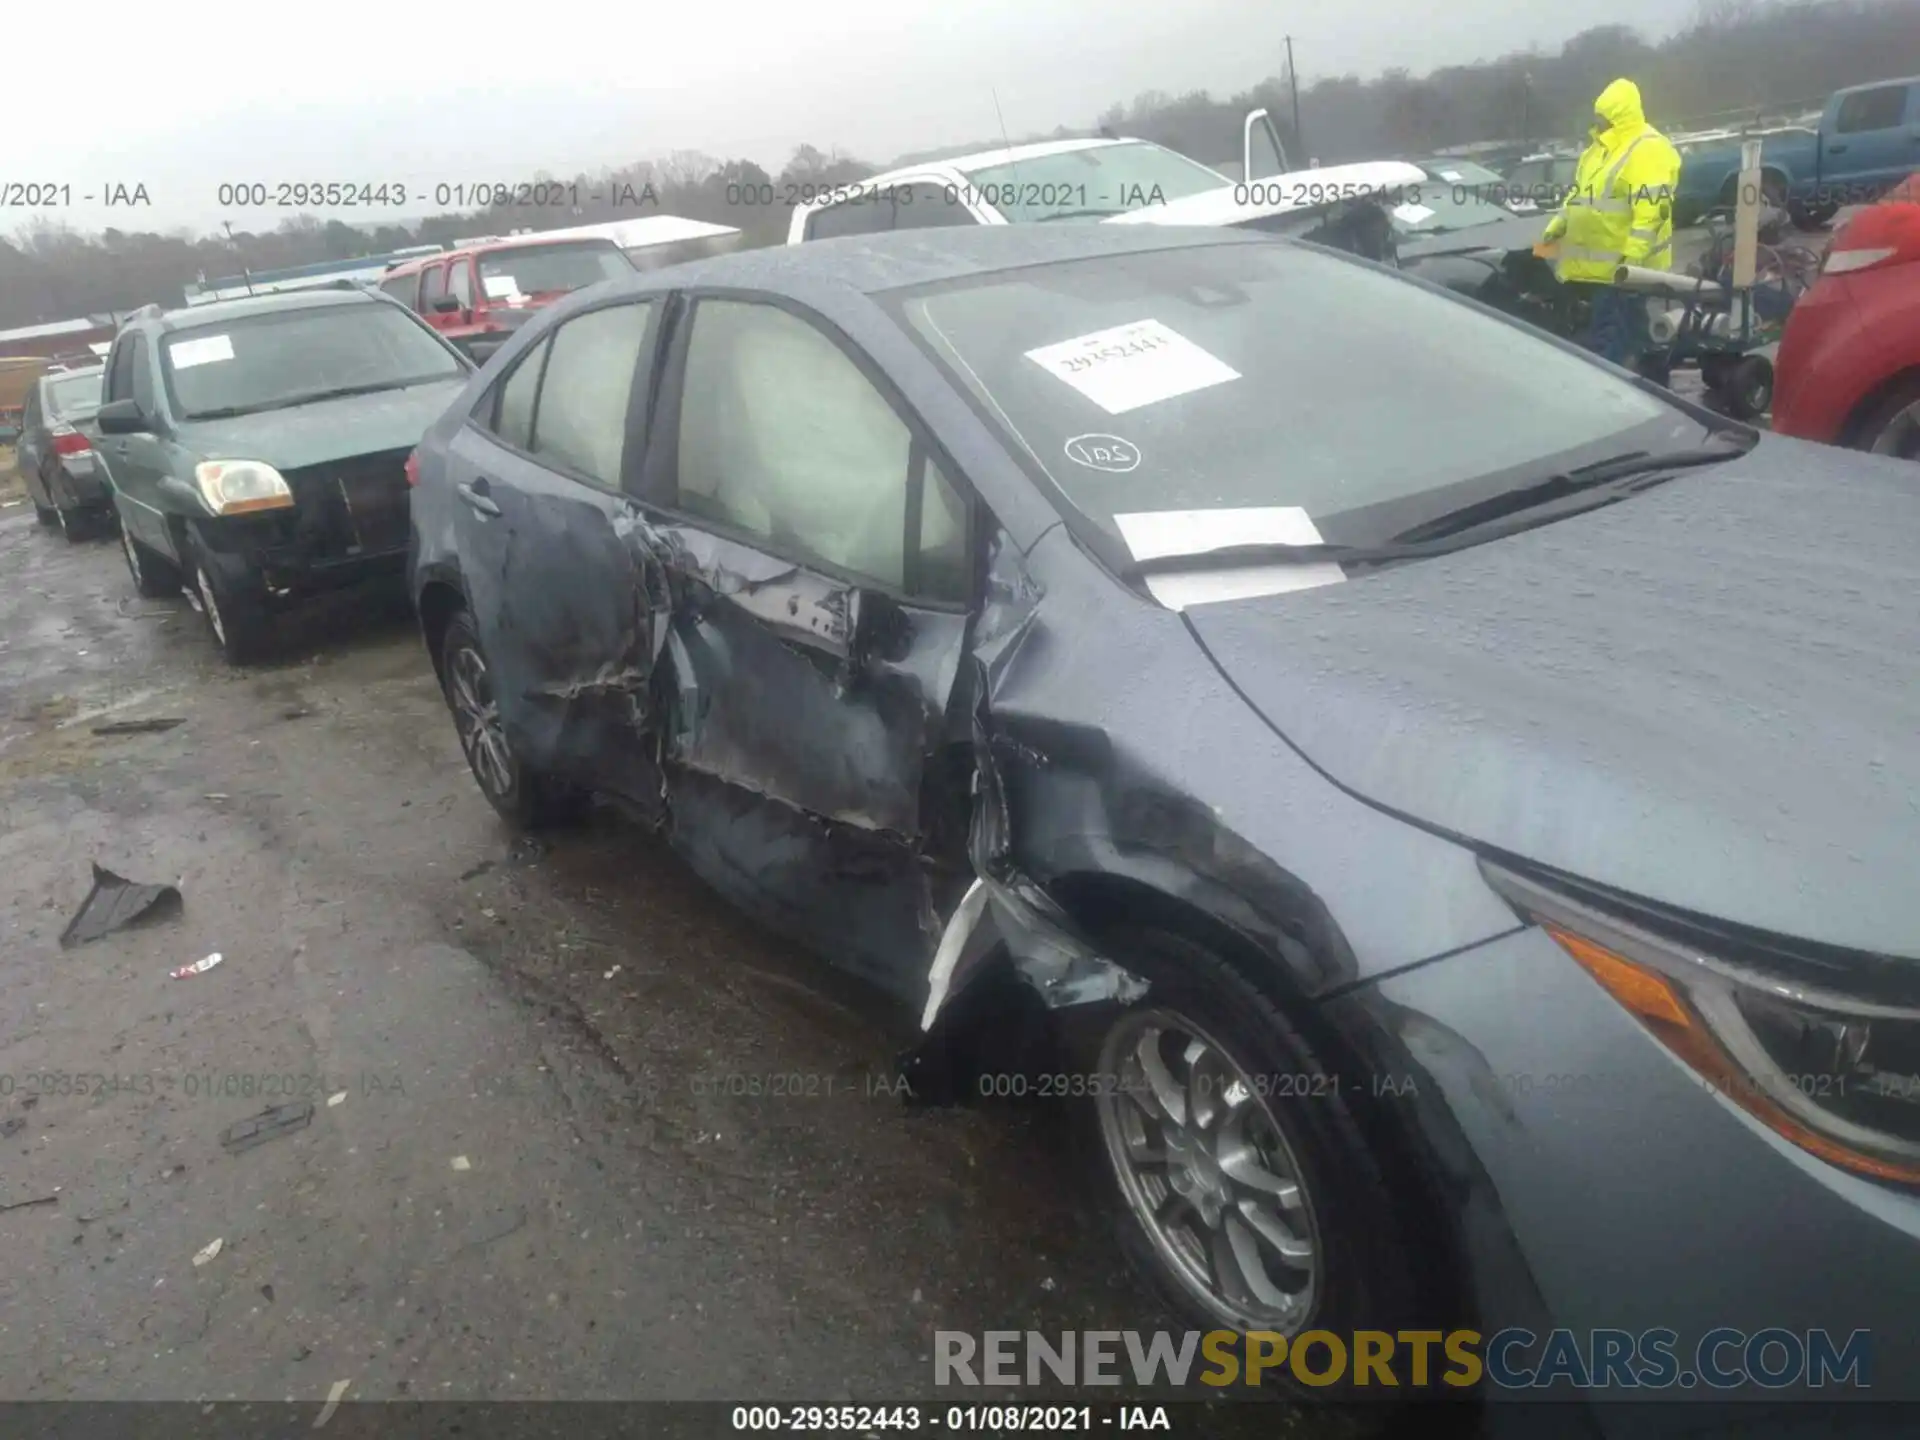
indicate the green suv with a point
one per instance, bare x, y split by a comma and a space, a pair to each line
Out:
257, 448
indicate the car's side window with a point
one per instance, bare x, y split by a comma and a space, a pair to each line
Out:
513, 413
404, 288
581, 421
142, 363
460, 283
925, 205
433, 284
862, 215
784, 437
120, 369
1878, 109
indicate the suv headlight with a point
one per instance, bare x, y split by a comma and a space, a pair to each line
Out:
1818, 1061
233, 487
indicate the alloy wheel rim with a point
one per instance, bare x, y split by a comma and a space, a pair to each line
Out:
1207, 1171
476, 718
1900, 436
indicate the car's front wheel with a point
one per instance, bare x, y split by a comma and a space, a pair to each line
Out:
523, 797
1239, 1179
154, 576
239, 622
1894, 426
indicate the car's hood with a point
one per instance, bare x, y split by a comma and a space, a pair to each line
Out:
1706, 695
326, 430
1518, 232
1281, 194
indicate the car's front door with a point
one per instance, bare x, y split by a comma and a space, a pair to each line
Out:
136, 463
819, 547
557, 592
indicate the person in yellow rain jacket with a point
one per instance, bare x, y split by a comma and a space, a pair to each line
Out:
1620, 211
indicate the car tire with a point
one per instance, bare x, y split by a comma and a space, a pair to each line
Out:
1892, 427
237, 620
45, 515
1745, 388
154, 576
1323, 1227
524, 798
1811, 217
73, 524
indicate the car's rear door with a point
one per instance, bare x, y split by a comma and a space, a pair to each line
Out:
820, 552
559, 599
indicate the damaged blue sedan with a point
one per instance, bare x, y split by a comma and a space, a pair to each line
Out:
1450, 807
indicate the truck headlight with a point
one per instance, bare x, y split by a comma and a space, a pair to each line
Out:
1818, 1060
234, 487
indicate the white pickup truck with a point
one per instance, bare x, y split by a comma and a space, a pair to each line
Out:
1118, 182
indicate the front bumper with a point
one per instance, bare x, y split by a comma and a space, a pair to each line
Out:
1634, 1197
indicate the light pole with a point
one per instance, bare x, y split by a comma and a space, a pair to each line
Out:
1293, 85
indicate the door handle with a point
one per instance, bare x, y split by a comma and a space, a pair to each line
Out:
475, 494
1836, 149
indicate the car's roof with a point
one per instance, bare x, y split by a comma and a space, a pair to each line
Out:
1008, 154
216, 312
502, 242
869, 264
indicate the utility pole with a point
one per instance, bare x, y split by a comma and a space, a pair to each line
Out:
1293, 84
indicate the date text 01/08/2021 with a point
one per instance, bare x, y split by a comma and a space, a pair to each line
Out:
964, 1419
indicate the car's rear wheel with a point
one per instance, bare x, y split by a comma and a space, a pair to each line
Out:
239, 623
1240, 1181
1893, 428
523, 797
154, 576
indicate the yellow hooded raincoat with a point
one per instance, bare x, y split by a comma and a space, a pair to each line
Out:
1620, 210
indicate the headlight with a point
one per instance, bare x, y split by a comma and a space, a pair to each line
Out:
1833, 1071
233, 487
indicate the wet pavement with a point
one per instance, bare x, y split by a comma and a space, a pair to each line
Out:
537, 1164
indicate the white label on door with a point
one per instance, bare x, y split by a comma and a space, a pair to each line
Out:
1132, 365
185, 354
500, 287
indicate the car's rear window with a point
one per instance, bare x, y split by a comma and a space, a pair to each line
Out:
75, 397
548, 269
287, 357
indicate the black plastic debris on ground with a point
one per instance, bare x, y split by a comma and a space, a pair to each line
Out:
138, 727
116, 902
267, 1125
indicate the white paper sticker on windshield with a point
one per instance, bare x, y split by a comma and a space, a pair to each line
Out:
185, 354
1154, 534
499, 287
1132, 365
1413, 214
1453, 175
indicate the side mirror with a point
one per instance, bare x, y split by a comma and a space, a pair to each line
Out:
446, 304
122, 417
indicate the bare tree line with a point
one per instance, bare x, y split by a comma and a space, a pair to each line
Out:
1736, 55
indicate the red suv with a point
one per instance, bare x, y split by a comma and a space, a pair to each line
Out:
1848, 371
480, 294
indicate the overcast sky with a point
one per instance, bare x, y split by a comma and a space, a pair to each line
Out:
197, 92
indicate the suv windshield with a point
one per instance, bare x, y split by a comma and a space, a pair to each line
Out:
1229, 376
287, 357
1100, 180
549, 269
76, 396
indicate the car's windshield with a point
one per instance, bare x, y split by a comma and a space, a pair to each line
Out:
1440, 207
1099, 180
76, 396
545, 269
266, 362
1232, 376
